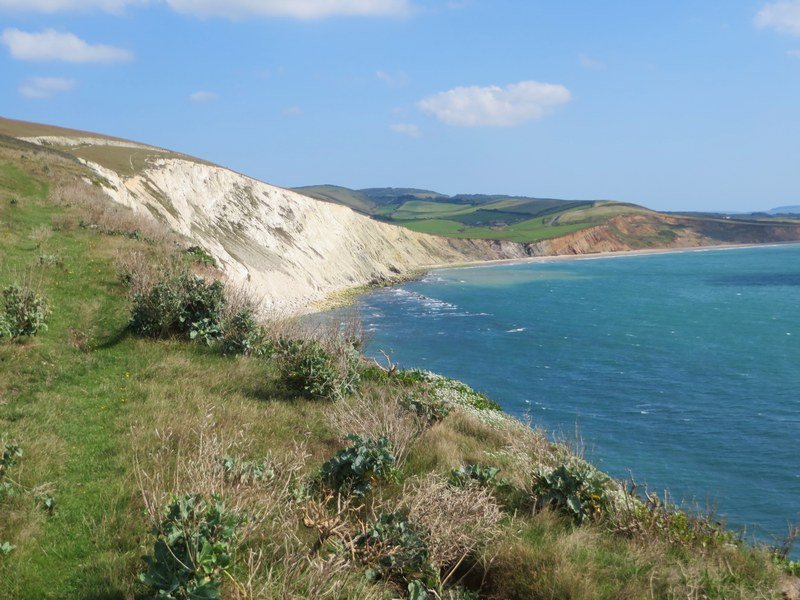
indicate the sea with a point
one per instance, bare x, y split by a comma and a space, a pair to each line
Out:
679, 370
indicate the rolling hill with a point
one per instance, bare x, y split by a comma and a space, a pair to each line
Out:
530, 220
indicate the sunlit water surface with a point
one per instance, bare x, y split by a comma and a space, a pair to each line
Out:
682, 368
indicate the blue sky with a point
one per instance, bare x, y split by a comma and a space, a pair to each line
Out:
681, 105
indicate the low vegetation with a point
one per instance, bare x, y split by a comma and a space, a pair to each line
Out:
179, 444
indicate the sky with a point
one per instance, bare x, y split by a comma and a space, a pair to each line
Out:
680, 105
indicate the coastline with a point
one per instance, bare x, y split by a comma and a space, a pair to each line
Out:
605, 255
349, 296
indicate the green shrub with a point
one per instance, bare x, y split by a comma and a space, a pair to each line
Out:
677, 526
790, 567
243, 334
24, 312
355, 469
481, 474
308, 368
394, 548
577, 491
51, 260
238, 471
450, 391
194, 548
201, 255
180, 304
429, 410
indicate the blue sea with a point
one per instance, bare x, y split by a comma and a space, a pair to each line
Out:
682, 369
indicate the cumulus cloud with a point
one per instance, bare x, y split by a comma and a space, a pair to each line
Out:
203, 96
392, 79
495, 106
406, 129
45, 87
53, 45
297, 9
782, 16
794, 53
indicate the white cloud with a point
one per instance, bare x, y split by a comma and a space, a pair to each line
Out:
52, 45
53, 6
495, 106
298, 9
795, 53
782, 16
406, 129
292, 111
398, 79
203, 96
587, 62
44, 87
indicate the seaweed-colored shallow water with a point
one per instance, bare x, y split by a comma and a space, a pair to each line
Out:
683, 368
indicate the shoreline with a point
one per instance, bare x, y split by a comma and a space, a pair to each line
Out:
349, 296
606, 255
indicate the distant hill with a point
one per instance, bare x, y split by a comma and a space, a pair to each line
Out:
785, 210
485, 216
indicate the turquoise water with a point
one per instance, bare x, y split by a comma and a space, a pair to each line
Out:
682, 368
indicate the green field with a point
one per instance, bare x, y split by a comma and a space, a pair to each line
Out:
475, 216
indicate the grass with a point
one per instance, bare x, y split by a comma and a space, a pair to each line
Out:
74, 413
531, 230
95, 407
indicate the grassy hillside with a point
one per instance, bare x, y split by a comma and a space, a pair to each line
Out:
493, 217
530, 220
440, 496
339, 195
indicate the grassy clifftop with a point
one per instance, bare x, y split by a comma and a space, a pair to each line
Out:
239, 464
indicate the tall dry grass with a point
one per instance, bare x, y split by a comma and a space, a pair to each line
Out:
461, 521
97, 210
377, 412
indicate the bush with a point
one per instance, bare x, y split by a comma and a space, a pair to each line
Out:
394, 548
51, 260
193, 550
242, 334
24, 312
307, 367
237, 471
429, 410
450, 391
180, 304
355, 469
481, 474
201, 255
653, 517
577, 491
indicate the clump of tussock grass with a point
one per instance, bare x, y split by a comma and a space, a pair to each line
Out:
460, 521
376, 412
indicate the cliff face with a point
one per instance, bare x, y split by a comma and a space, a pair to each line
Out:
637, 232
293, 251
287, 248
